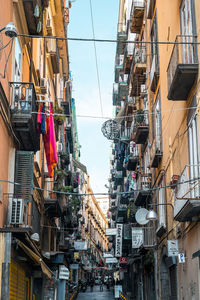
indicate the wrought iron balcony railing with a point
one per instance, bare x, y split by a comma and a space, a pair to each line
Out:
137, 13
149, 240
143, 192
23, 109
156, 152
183, 67
187, 194
140, 127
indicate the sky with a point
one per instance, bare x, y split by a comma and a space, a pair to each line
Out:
95, 148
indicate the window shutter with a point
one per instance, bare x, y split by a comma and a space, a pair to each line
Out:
24, 174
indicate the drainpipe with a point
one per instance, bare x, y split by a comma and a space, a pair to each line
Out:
61, 289
155, 252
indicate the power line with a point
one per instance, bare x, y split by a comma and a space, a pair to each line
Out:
106, 194
122, 117
96, 60
107, 40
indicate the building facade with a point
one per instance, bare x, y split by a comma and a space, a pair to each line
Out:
155, 158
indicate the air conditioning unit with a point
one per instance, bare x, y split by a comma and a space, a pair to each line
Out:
59, 147
16, 211
43, 85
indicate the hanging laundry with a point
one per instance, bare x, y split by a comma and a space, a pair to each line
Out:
50, 143
43, 121
39, 117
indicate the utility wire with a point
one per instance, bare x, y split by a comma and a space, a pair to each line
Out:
106, 194
107, 40
116, 117
96, 60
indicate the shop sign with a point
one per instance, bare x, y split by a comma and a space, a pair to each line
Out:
111, 231
63, 272
111, 260
118, 244
107, 254
123, 260
172, 247
137, 237
80, 245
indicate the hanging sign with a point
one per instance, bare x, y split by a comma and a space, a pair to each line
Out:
137, 237
123, 260
111, 260
111, 231
172, 247
118, 244
63, 272
181, 258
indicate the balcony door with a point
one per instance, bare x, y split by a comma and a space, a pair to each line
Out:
187, 30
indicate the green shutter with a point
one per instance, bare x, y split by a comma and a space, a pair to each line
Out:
24, 163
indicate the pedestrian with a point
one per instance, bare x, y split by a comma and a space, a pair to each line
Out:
91, 285
101, 285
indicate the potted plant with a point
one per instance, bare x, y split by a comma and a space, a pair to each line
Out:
139, 118
59, 115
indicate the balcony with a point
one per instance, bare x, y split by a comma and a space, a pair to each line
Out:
133, 159
140, 127
122, 36
123, 87
53, 206
183, 68
138, 70
33, 16
128, 56
142, 195
156, 153
187, 203
137, 14
154, 73
150, 8
23, 104
53, 54
125, 134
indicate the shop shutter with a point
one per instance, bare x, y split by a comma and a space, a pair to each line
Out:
24, 164
17, 282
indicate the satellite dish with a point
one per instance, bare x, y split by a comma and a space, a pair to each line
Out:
140, 216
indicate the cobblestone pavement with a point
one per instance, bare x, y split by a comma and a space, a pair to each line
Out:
96, 294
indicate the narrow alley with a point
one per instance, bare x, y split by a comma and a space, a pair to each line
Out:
96, 294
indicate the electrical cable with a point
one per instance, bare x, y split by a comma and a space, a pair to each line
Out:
107, 40
122, 117
96, 60
109, 194
5, 68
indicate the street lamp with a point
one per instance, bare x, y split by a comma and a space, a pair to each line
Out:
152, 215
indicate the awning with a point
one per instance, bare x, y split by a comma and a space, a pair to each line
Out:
36, 258
120, 114
79, 165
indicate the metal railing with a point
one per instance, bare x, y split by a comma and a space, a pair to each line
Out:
140, 119
136, 3
22, 97
144, 182
184, 52
187, 188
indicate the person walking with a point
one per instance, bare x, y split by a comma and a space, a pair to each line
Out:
91, 284
101, 285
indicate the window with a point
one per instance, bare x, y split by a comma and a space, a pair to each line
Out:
157, 130
18, 58
193, 141
161, 200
